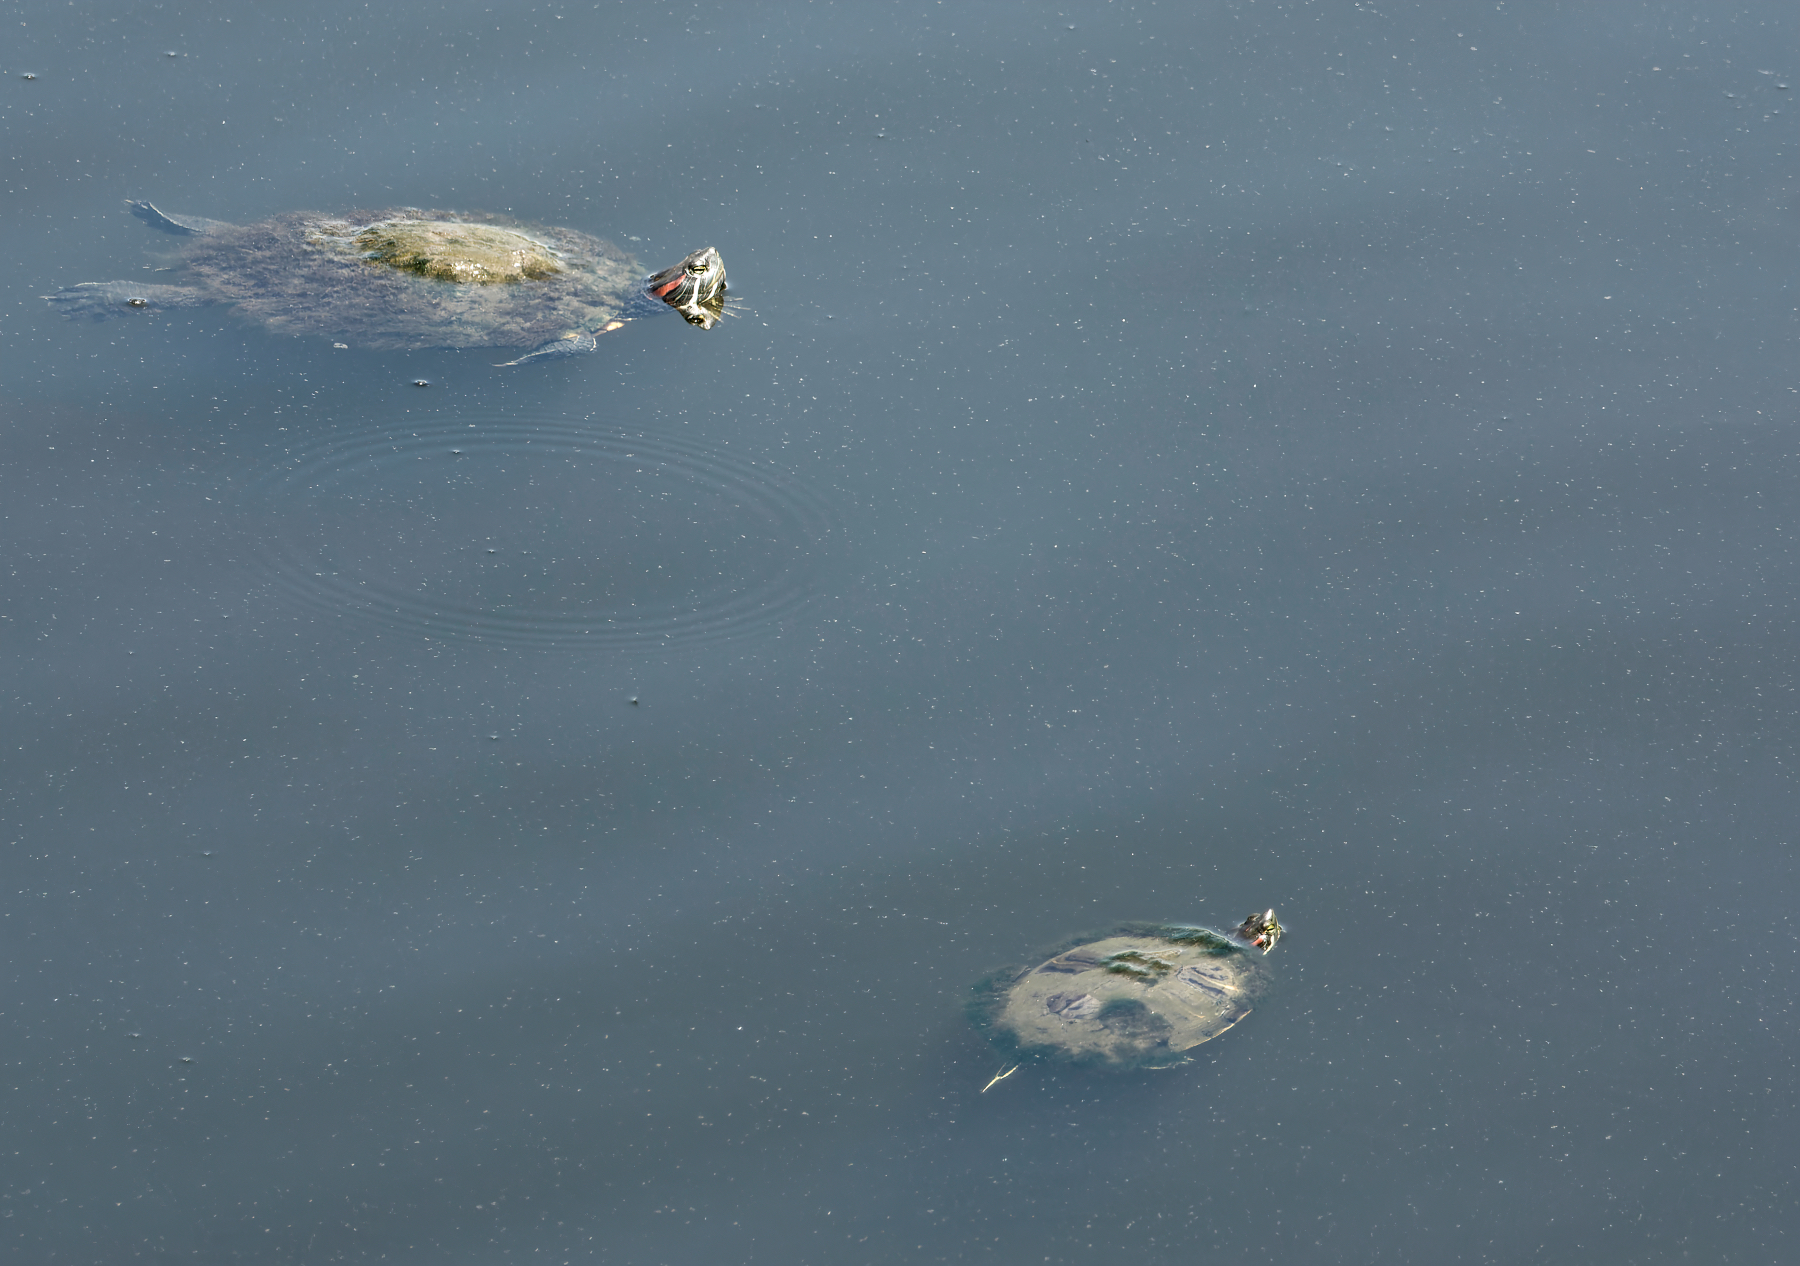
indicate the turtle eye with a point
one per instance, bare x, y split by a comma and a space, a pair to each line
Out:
699, 268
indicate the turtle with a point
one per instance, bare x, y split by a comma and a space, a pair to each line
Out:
1138, 996
405, 278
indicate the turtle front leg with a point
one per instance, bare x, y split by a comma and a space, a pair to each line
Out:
101, 299
574, 343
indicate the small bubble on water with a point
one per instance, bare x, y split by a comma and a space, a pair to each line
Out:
421, 382
341, 346
494, 737
187, 1059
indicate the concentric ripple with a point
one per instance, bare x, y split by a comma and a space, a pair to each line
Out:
542, 532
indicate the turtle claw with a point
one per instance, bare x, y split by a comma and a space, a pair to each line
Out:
1000, 1076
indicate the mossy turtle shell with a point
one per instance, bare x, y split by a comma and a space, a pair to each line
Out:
403, 278
1139, 997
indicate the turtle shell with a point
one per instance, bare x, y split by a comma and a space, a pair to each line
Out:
1140, 997
375, 278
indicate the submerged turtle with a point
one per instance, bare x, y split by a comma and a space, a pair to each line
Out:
1140, 997
405, 278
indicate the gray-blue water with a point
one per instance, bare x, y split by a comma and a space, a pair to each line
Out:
1182, 458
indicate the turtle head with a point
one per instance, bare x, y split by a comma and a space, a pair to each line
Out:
695, 288
1261, 930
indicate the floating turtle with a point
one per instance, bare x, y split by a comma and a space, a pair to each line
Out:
405, 278
1140, 997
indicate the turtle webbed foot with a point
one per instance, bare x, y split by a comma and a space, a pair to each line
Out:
574, 343
102, 299
180, 225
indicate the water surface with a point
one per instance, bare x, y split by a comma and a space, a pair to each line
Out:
1181, 459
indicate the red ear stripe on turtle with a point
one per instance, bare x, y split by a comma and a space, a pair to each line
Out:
673, 285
